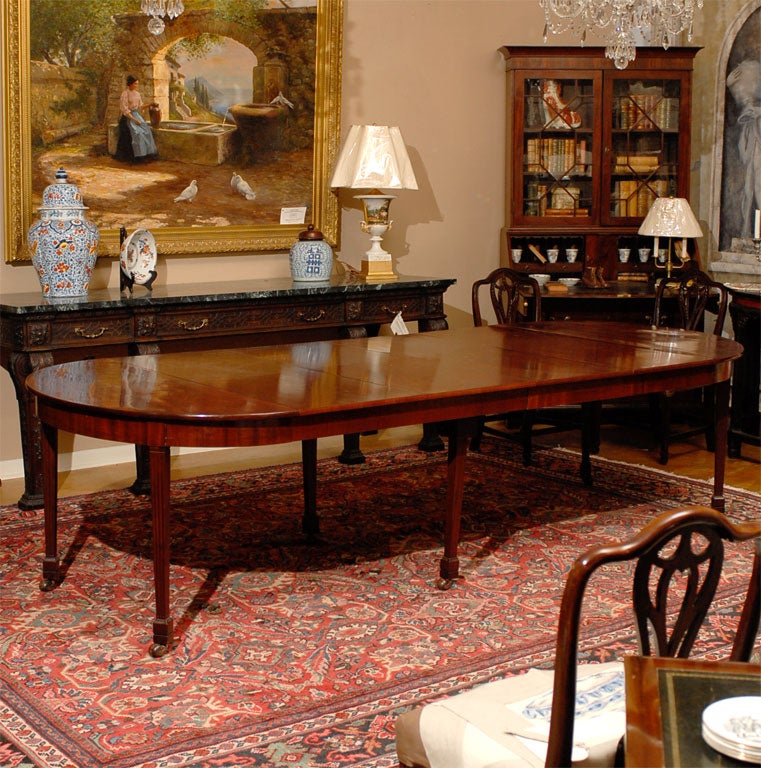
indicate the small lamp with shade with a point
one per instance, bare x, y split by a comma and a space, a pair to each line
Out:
671, 217
374, 158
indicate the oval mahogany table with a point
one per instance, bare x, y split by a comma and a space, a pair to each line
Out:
276, 394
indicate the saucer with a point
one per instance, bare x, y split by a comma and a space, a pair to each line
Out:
733, 727
138, 256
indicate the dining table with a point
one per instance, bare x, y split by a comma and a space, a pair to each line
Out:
305, 391
665, 701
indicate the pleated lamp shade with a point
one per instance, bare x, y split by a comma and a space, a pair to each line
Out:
374, 157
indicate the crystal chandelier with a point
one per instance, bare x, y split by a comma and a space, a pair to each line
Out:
625, 18
158, 8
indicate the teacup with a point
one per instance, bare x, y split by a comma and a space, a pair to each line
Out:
623, 254
644, 254
552, 255
516, 254
571, 254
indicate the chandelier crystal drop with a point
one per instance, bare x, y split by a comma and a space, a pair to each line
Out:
660, 20
158, 8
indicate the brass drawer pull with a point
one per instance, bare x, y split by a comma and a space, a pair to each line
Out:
311, 318
394, 311
196, 325
85, 334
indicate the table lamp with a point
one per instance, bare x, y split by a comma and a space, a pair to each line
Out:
374, 158
670, 217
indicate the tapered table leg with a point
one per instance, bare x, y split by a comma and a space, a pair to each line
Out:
459, 433
163, 626
50, 563
720, 447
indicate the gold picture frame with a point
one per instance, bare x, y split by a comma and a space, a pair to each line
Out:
23, 195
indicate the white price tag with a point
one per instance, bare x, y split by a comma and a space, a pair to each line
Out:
293, 215
398, 326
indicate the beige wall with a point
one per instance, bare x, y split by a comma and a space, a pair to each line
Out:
433, 68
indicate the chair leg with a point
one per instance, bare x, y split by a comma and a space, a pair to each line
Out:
709, 399
595, 417
527, 425
475, 441
661, 419
587, 438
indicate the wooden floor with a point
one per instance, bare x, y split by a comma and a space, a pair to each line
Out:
688, 458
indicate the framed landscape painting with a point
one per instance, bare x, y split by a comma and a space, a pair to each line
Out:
241, 97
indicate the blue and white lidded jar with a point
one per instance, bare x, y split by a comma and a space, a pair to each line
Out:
63, 243
311, 257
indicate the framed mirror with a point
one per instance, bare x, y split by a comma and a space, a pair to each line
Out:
242, 99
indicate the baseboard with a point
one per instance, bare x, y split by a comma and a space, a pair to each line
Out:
92, 459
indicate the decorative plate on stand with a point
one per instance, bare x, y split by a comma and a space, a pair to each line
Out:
138, 257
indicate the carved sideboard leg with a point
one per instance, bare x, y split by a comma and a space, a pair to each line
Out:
142, 484
21, 365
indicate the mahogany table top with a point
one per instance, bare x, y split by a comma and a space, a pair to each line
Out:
279, 393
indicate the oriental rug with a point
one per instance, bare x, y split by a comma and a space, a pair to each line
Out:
296, 654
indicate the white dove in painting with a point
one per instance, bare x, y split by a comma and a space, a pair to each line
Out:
242, 187
188, 194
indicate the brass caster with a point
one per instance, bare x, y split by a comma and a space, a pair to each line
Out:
444, 584
48, 585
157, 650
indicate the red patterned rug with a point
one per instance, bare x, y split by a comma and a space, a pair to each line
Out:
291, 654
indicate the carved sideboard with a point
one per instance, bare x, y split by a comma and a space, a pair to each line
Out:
37, 332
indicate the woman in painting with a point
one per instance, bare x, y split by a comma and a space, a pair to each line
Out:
135, 141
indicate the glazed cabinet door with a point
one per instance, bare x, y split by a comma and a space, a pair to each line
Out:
646, 152
555, 146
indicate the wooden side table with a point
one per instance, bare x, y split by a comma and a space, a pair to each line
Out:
745, 417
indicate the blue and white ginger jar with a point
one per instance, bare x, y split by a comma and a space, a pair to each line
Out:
63, 243
311, 258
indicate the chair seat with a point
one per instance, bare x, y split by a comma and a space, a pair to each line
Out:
505, 723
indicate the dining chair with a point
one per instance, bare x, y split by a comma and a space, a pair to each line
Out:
674, 566
696, 295
510, 292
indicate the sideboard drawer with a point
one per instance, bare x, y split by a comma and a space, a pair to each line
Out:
91, 330
383, 309
211, 321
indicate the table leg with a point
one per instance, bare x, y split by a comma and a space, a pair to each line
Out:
459, 433
310, 523
50, 563
163, 625
720, 447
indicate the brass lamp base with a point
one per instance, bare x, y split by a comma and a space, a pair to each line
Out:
378, 271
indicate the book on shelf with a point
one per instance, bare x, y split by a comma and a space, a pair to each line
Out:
635, 163
566, 212
558, 157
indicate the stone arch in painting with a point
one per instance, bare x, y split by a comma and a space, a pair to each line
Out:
144, 55
730, 213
